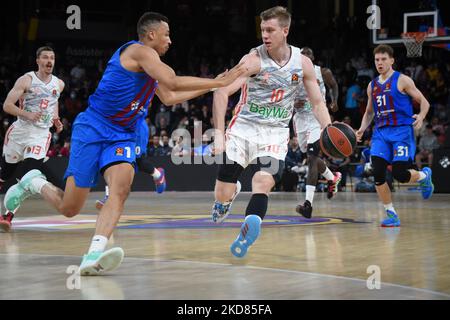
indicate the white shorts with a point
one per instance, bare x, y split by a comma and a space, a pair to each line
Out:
307, 129
246, 142
25, 141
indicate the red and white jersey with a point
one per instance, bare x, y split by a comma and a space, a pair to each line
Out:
41, 97
268, 97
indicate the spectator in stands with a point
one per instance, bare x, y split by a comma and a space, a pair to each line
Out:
351, 103
165, 150
294, 166
154, 146
428, 142
163, 113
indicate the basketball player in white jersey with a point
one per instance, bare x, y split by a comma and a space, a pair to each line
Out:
258, 134
308, 131
28, 138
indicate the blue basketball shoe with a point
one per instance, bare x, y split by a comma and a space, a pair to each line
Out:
391, 221
426, 185
160, 184
250, 230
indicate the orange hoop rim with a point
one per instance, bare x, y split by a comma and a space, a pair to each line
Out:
418, 36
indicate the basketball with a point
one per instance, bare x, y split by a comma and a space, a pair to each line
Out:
338, 140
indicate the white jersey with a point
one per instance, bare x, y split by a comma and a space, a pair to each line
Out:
303, 95
268, 97
43, 98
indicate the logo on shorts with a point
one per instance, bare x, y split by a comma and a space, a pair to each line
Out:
119, 152
295, 78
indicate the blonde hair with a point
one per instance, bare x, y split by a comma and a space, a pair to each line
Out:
278, 12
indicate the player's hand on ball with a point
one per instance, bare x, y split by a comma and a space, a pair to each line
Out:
419, 121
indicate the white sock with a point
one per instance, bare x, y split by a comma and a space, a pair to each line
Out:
422, 176
328, 175
259, 218
310, 193
156, 174
389, 207
37, 184
98, 244
107, 191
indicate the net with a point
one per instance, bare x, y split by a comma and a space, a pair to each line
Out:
413, 42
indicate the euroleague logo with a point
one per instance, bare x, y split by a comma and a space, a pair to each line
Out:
341, 142
119, 152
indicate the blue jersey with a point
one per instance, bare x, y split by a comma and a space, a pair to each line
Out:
123, 97
391, 107
105, 134
143, 134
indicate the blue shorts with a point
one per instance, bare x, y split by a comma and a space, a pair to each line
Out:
142, 139
394, 143
94, 146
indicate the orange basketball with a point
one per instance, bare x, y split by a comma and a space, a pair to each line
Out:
338, 140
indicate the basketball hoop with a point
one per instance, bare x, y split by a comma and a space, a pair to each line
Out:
413, 42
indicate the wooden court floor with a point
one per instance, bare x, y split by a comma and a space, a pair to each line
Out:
173, 251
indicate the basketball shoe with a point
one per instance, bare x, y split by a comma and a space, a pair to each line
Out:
305, 209
333, 185
250, 230
21, 191
426, 185
96, 263
392, 220
220, 211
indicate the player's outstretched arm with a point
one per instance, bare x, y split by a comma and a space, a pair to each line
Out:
332, 85
319, 107
368, 115
406, 84
252, 64
169, 97
150, 62
20, 87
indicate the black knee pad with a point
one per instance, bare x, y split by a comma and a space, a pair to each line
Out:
229, 171
144, 165
379, 170
272, 166
258, 205
400, 171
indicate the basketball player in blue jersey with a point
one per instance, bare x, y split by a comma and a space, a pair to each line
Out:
104, 136
142, 163
389, 102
